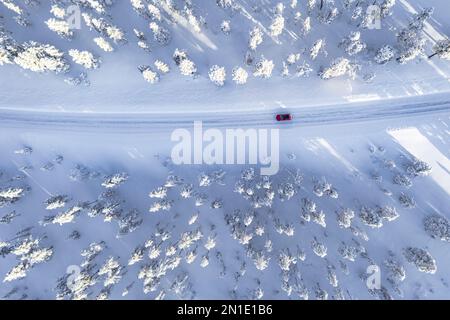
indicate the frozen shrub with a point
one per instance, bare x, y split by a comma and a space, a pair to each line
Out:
348, 252
370, 217
225, 26
338, 68
442, 49
17, 272
162, 66
84, 58
285, 260
261, 261
264, 68
217, 75
277, 25
345, 217
397, 272
149, 75
418, 168
353, 44
115, 180
407, 201
161, 35
39, 57
320, 293
61, 27
161, 205
316, 48
239, 75
402, 180
256, 38
56, 202
319, 248
421, 259
411, 40
386, 7
385, 54
187, 67
388, 213
103, 44
438, 227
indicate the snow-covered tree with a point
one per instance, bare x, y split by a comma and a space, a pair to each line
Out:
149, 75
386, 7
437, 227
277, 25
338, 67
56, 202
442, 49
162, 66
317, 47
85, 58
187, 67
115, 180
61, 27
39, 57
161, 35
345, 217
256, 38
225, 26
385, 54
370, 217
103, 44
418, 168
421, 258
264, 68
411, 39
353, 44
217, 75
318, 248
239, 75
407, 201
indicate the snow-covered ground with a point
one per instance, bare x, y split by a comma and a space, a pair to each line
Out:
360, 160
92, 206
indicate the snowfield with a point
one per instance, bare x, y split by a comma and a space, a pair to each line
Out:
93, 207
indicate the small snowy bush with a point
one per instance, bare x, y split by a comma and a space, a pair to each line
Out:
39, 57
422, 259
256, 38
149, 75
84, 58
239, 75
217, 75
437, 227
264, 68
103, 44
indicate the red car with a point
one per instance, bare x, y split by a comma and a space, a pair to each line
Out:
284, 117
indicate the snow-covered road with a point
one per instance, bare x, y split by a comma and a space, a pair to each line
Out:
146, 122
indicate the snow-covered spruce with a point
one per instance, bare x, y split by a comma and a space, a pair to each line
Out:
217, 75
149, 75
338, 68
421, 258
85, 58
39, 57
437, 227
61, 27
385, 54
264, 68
256, 38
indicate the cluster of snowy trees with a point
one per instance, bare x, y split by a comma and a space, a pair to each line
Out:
162, 16
184, 214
